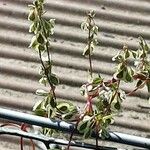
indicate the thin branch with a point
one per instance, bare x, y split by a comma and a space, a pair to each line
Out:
132, 92
51, 85
75, 128
89, 47
115, 92
21, 143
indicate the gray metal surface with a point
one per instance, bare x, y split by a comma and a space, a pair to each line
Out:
120, 22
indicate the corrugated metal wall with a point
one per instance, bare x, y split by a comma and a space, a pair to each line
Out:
120, 22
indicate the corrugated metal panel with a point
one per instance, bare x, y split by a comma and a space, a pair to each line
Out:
120, 22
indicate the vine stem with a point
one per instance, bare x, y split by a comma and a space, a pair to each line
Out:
130, 93
80, 118
112, 98
23, 128
89, 47
76, 125
115, 92
91, 72
21, 143
51, 85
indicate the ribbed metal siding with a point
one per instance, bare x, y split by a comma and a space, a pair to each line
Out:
120, 22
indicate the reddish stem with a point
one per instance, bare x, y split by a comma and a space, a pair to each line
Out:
76, 125
130, 93
21, 143
88, 107
10, 124
24, 128
21, 139
32, 143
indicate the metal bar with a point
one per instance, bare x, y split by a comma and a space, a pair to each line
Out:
49, 140
68, 127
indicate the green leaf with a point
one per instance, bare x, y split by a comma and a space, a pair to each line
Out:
128, 75
49, 27
95, 29
92, 13
47, 100
146, 47
38, 28
41, 1
86, 51
40, 112
40, 38
118, 57
143, 44
134, 54
36, 3
51, 32
121, 95
97, 80
99, 105
52, 22
54, 79
41, 47
108, 121
95, 41
43, 80
31, 7
67, 116
49, 112
105, 103
41, 71
117, 106
139, 83
120, 74
63, 107
87, 133
104, 133
82, 126
41, 92
127, 54
37, 105
33, 43
31, 16
84, 26
32, 28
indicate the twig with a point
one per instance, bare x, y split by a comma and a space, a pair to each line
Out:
89, 47
132, 92
51, 85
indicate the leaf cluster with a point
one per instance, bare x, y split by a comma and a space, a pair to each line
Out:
103, 98
141, 70
92, 29
107, 97
124, 72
